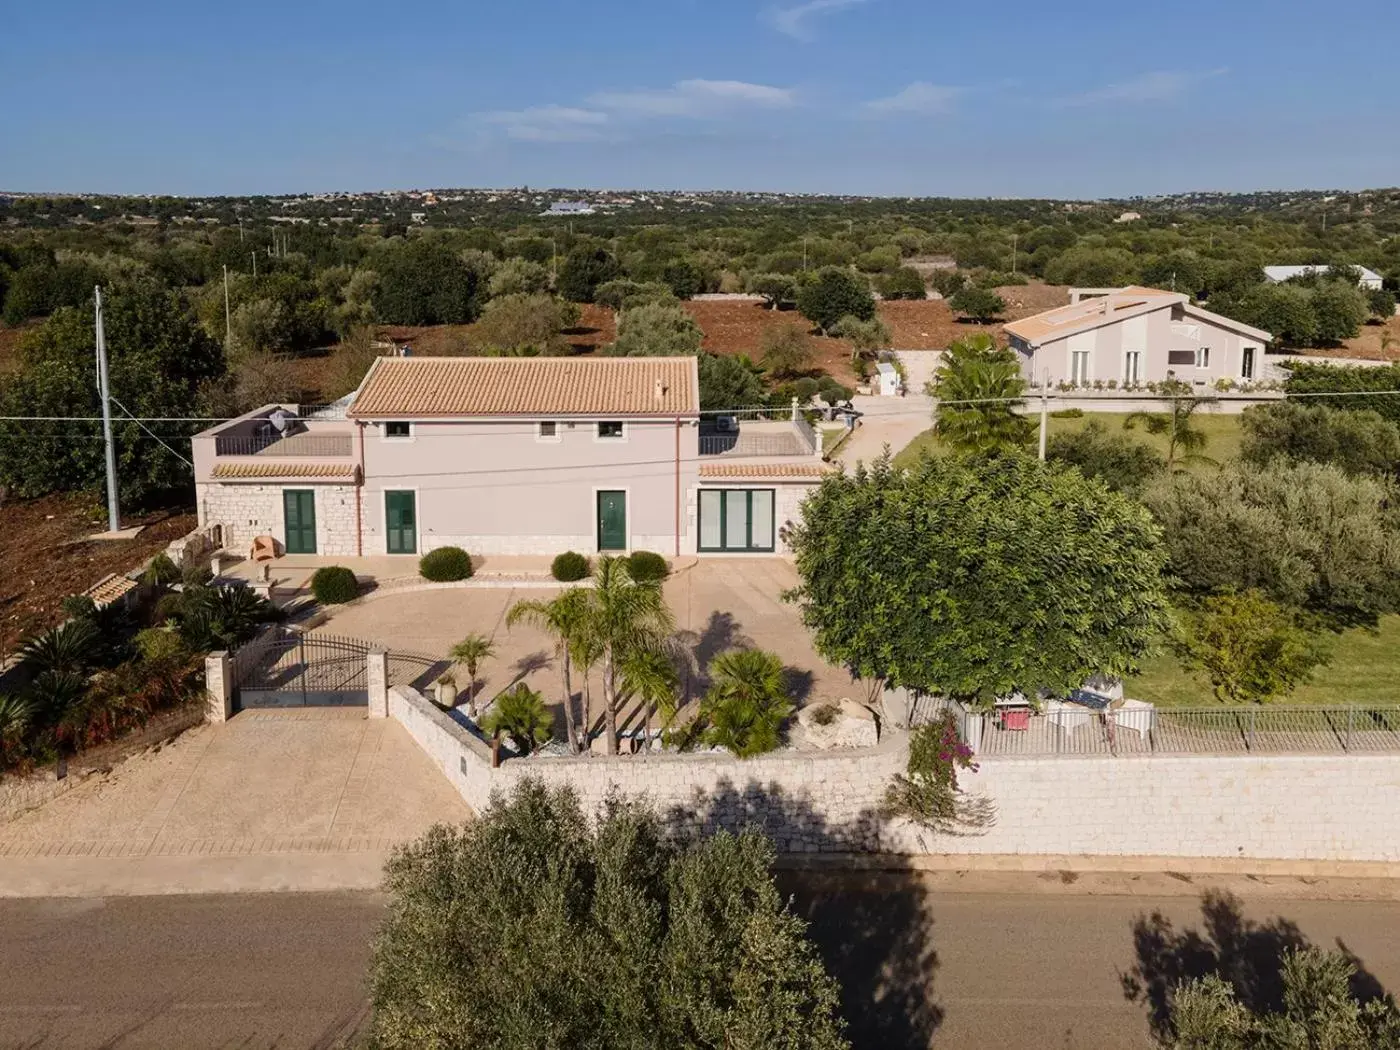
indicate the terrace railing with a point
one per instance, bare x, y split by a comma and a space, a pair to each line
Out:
1146, 731
277, 445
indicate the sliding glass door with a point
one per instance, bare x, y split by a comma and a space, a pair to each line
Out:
736, 520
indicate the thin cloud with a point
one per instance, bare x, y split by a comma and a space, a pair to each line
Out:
547, 123
920, 97
694, 98
792, 21
1159, 86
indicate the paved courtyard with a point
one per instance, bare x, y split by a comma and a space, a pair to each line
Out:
327, 780
719, 604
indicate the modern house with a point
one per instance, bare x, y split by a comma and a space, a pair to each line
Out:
1369, 279
509, 456
1134, 336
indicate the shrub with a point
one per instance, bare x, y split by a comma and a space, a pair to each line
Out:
445, 565
647, 567
569, 566
927, 792
1359, 441
1121, 463
335, 585
746, 704
520, 714
825, 714
1067, 413
1251, 648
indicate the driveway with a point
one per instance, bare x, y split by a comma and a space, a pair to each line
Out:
327, 782
892, 421
718, 604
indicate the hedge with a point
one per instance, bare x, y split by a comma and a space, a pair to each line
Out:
445, 565
569, 566
1305, 377
335, 585
647, 567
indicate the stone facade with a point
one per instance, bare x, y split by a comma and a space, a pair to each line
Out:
1295, 807
247, 511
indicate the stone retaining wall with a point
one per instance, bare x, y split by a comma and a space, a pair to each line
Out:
1304, 807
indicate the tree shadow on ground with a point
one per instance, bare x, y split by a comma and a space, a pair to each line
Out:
721, 632
528, 665
873, 930
1246, 954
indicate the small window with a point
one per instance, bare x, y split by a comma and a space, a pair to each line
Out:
548, 431
610, 429
1203, 357
398, 428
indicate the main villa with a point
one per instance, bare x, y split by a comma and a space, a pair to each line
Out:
509, 456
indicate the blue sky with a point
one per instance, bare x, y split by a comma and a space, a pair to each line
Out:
926, 97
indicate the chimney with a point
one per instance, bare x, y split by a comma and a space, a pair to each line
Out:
660, 390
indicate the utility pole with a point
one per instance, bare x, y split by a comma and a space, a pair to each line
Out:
228, 314
1013, 253
255, 264
1044, 411
804, 254
113, 512
240, 230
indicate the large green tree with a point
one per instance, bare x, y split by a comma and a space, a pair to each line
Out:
978, 577
729, 382
1305, 534
159, 359
583, 270
534, 928
834, 293
525, 325
978, 388
424, 282
1358, 441
656, 330
980, 304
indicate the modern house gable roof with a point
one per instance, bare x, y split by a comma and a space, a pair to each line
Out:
1088, 314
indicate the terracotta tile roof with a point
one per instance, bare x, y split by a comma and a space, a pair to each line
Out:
425, 387
109, 589
812, 469
255, 470
1091, 313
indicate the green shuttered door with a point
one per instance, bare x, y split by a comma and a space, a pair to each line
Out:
612, 521
401, 522
299, 513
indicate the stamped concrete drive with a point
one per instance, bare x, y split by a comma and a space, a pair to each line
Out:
718, 604
267, 783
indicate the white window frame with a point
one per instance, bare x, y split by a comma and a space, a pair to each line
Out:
384, 434
1202, 357
1088, 367
598, 437
1255, 353
548, 439
1132, 357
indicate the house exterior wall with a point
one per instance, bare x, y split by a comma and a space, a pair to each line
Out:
247, 511
1154, 334
496, 487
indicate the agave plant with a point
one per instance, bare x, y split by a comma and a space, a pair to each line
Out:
746, 704
72, 648
520, 713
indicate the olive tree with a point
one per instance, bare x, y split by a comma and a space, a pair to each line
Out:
976, 578
533, 927
833, 294
1305, 534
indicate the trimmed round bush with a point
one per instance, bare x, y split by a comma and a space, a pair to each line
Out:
569, 566
335, 585
647, 567
445, 565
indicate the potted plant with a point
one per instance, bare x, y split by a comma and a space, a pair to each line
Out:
447, 689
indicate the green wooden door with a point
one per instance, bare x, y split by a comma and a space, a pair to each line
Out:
612, 521
401, 522
299, 513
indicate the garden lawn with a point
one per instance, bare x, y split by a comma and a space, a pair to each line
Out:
1222, 436
1365, 670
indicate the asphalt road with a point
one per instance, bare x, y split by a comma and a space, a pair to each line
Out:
920, 969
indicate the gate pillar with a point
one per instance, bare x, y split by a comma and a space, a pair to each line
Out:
377, 678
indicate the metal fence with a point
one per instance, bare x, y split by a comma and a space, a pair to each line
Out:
275, 444
302, 669
1179, 730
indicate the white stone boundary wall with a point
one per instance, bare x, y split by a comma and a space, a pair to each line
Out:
1293, 807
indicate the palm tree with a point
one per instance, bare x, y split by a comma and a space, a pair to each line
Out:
746, 703
1182, 435
649, 676
564, 618
623, 617
69, 649
16, 713
520, 713
471, 652
978, 388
